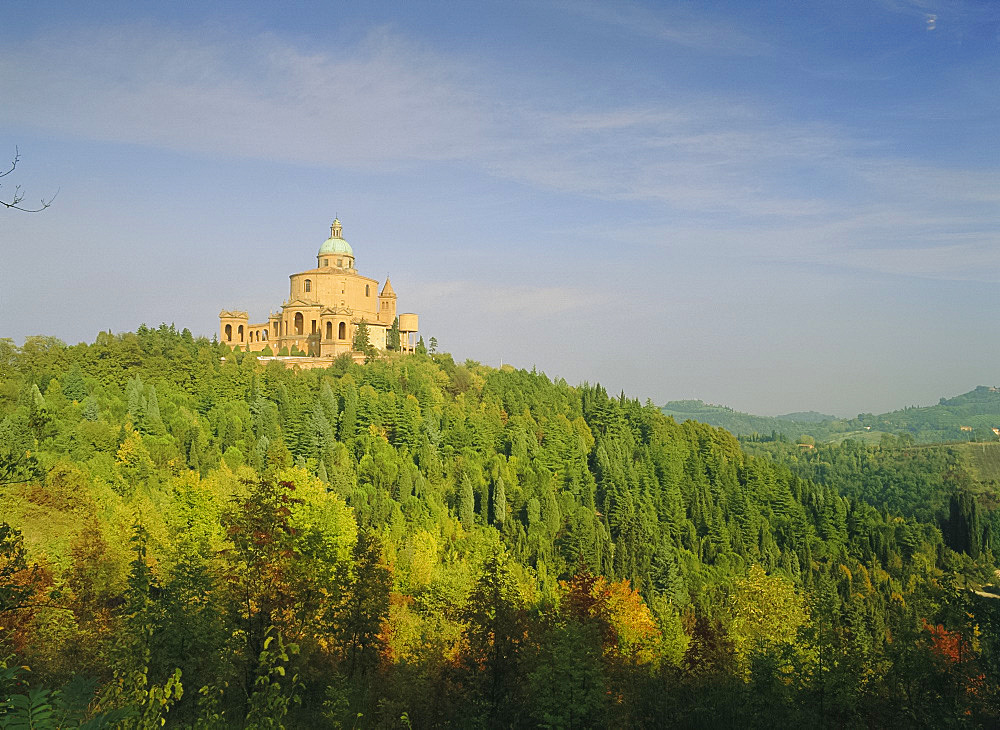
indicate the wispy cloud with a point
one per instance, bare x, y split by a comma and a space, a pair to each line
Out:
746, 171
676, 25
383, 101
520, 301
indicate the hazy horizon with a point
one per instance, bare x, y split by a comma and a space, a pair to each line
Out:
772, 208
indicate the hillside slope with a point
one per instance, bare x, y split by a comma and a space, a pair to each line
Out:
450, 544
971, 416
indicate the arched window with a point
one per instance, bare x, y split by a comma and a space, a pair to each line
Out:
342, 331
367, 293
229, 333
239, 330
308, 285
329, 330
299, 323
265, 335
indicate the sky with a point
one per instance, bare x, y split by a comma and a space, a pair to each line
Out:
773, 206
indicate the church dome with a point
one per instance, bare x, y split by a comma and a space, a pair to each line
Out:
335, 244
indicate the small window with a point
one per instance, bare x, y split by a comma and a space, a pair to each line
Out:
329, 330
326, 262
340, 262
367, 293
308, 285
342, 331
229, 333
314, 326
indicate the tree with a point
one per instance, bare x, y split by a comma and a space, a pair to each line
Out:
362, 343
434, 345
358, 619
766, 612
18, 581
568, 685
495, 629
392, 337
466, 503
499, 501
260, 565
18, 465
14, 203
73, 386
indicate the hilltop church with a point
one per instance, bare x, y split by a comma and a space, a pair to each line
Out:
325, 305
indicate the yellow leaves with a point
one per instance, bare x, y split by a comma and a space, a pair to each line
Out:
629, 630
766, 611
417, 560
132, 450
636, 631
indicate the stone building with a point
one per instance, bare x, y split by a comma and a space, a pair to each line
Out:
325, 305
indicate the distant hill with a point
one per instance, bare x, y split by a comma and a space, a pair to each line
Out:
790, 426
971, 416
807, 417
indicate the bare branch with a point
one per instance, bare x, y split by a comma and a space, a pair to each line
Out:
15, 202
13, 164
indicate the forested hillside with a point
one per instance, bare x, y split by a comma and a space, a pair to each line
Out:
972, 416
967, 417
942, 484
191, 537
790, 427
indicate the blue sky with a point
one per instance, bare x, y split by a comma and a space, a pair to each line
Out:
775, 206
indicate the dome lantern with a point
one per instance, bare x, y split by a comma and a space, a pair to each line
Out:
335, 251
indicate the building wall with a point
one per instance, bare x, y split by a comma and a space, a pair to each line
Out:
331, 301
337, 289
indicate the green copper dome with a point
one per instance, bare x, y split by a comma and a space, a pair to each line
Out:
335, 244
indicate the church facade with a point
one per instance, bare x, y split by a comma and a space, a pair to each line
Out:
324, 309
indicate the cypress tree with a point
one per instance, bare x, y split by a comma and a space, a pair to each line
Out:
392, 336
499, 501
153, 421
466, 502
136, 402
90, 410
328, 400
349, 415
73, 386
